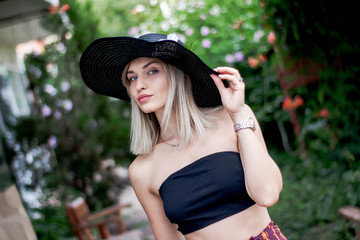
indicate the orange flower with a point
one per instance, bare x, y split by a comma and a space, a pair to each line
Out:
271, 37
237, 24
253, 62
263, 57
64, 8
292, 104
286, 104
324, 113
53, 9
134, 11
298, 101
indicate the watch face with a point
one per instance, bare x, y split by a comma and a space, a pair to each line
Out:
252, 124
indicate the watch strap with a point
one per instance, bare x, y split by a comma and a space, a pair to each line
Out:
245, 125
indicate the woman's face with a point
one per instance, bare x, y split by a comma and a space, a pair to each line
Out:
148, 84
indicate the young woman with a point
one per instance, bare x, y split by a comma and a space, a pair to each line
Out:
203, 170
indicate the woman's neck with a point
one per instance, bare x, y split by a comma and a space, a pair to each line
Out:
169, 132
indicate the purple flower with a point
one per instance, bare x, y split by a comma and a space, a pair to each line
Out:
239, 56
52, 141
206, 43
257, 35
61, 47
229, 58
68, 105
134, 31
57, 114
205, 30
65, 86
46, 111
58, 103
111, 194
203, 17
50, 89
189, 32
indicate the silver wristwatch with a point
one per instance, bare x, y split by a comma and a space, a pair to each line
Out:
245, 124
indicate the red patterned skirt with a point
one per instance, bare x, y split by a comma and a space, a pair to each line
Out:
271, 232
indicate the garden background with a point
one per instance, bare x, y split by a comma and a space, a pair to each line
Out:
300, 62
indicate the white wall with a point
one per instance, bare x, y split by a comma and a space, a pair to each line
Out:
8, 57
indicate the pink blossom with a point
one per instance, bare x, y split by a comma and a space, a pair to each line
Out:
253, 62
133, 31
189, 32
206, 43
271, 37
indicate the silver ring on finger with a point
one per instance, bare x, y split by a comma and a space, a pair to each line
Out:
241, 79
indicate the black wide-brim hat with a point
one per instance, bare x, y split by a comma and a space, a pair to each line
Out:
104, 60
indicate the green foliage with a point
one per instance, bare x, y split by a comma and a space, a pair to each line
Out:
321, 31
313, 191
325, 175
52, 224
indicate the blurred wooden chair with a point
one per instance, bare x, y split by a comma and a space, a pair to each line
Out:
351, 214
82, 220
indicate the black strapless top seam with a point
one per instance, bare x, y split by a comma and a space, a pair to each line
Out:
193, 163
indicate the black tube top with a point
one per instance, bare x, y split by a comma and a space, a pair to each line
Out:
205, 191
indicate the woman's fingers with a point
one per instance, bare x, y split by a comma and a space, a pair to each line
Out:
228, 73
227, 70
232, 75
218, 82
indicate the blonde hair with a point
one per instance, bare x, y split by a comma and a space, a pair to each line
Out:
191, 120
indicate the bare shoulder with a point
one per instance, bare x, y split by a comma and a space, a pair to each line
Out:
139, 169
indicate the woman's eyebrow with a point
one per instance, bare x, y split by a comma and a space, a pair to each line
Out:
149, 63
145, 66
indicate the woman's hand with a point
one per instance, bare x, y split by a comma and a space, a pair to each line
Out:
233, 97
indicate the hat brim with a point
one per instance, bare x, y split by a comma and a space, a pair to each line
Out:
104, 60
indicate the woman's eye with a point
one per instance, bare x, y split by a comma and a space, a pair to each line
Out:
153, 71
132, 78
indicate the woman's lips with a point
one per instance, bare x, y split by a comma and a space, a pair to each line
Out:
144, 98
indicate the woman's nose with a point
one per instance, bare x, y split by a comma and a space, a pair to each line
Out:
140, 84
